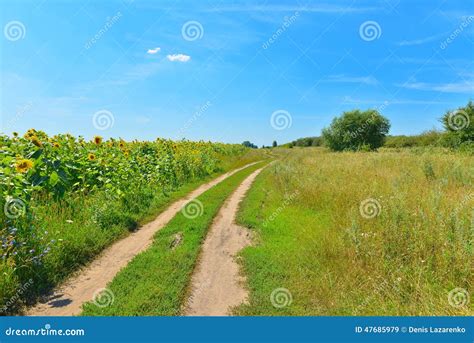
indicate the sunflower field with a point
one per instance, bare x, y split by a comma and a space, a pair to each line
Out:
65, 199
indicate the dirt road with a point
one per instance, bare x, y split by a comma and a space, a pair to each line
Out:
217, 284
81, 287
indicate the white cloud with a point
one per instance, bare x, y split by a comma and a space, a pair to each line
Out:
421, 40
153, 51
178, 58
368, 80
453, 87
320, 8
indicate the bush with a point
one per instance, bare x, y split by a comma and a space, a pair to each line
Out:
459, 126
428, 138
357, 129
308, 141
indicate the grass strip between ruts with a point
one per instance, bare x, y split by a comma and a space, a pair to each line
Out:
155, 282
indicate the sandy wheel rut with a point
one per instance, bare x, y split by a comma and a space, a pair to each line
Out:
217, 284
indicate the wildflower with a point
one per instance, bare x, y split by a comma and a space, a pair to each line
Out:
121, 145
23, 165
126, 153
91, 157
97, 140
56, 145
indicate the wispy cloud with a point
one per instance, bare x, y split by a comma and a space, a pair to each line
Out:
388, 101
452, 87
153, 51
319, 8
368, 80
178, 58
421, 40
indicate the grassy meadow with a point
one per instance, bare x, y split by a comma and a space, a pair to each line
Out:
356, 233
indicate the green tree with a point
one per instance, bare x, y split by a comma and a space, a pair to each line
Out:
248, 144
459, 125
357, 130
275, 144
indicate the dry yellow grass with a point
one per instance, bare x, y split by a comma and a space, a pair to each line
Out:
400, 254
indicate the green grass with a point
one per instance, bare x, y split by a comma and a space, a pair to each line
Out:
312, 240
156, 281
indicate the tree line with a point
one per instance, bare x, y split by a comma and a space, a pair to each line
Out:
368, 130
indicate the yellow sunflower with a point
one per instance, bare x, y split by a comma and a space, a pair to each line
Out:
56, 145
36, 141
97, 140
22, 166
91, 157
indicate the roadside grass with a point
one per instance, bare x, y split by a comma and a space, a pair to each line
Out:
327, 259
81, 227
156, 281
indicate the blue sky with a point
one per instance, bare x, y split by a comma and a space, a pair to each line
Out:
219, 70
